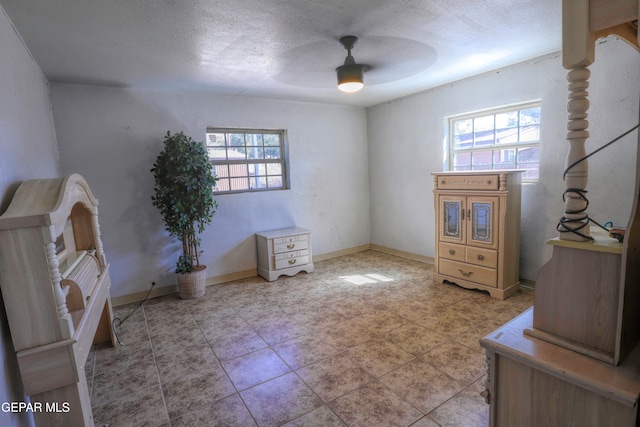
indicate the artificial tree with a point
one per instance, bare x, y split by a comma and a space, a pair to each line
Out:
183, 193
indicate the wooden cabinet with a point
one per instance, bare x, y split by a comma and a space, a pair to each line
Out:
284, 252
532, 382
55, 286
580, 300
478, 230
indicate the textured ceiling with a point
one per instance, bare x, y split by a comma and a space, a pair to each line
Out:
281, 48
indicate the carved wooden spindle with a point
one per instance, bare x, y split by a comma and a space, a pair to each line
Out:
59, 294
56, 278
575, 223
98, 241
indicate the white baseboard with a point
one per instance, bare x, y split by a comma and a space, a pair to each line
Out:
342, 252
166, 290
403, 254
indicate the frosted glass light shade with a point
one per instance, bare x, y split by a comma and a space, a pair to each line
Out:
350, 77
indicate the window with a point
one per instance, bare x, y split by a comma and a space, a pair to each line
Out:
506, 138
247, 159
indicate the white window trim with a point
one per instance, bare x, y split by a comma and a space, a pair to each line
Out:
283, 161
449, 137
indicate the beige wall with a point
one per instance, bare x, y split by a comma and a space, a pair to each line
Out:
28, 149
406, 144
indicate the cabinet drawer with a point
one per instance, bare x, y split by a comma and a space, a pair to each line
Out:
292, 254
289, 239
451, 251
469, 272
290, 243
291, 262
483, 257
468, 182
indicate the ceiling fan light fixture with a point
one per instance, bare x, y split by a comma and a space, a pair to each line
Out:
350, 75
350, 78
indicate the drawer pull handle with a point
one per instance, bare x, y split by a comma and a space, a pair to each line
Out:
292, 261
481, 257
452, 252
291, 245
465, 273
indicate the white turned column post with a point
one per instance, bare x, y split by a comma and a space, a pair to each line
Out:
576, 178
578, 48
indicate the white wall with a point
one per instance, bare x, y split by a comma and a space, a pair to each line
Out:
112, 137
28, 150
406, 145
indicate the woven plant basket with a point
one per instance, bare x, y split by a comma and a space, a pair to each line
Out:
192, 285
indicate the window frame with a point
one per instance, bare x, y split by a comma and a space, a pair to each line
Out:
494, 148
283, 161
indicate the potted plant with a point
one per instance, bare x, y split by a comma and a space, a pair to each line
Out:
184, 194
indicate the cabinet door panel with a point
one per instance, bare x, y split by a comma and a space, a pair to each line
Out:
482, 218
452, 219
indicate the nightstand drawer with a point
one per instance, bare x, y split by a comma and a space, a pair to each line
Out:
290, 243
292, 254
451, 251
291, 262
469, 272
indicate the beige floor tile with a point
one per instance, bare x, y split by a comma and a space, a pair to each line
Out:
120, 357
175, 340
186, 362
415, 339
255, 368
471, 338
169, 322
380, 321
304, 350
374, 405
459, 362
353, 306
280, 400
277, 330
447, 322
379, 356
231, 337
228, 412
467, 408
422, 385
317, 319
345, 334
425, 422
196, 391
113, 384
211, 308
321, 417
334, 376
141, 408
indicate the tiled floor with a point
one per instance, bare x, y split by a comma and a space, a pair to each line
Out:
365, 340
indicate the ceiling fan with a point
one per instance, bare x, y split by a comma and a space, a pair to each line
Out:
350, 74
